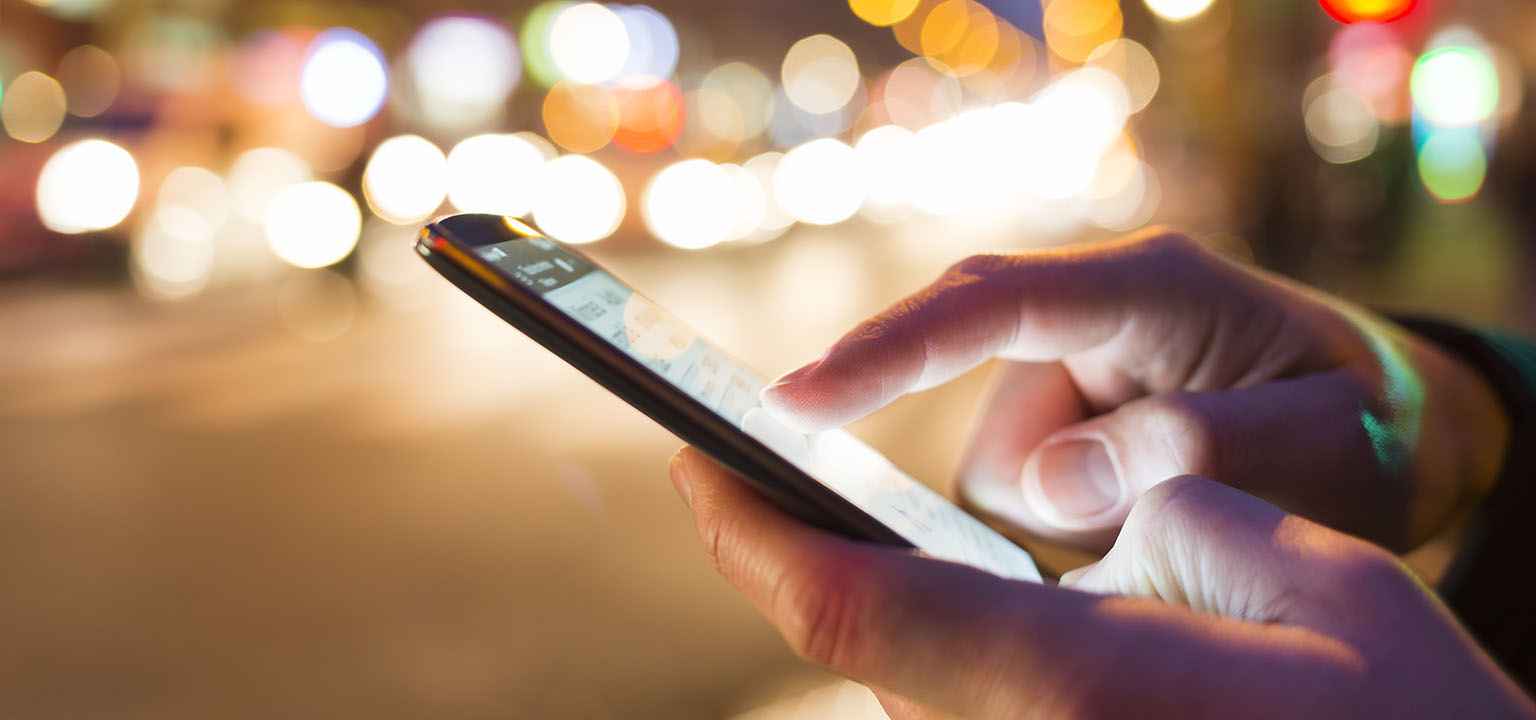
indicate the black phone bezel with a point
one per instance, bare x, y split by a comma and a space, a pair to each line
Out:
447, 247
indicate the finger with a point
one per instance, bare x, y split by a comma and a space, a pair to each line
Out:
1217, 550
1144, 309
1197, 543
1284, 441
959, 640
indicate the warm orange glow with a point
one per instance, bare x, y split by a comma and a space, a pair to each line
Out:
883, 12
945, 27
1011, 68
715, 125
580, 118
1073, 28
1353, 11
650, 114
909, 32
976, 47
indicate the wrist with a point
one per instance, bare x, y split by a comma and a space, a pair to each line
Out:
1473, 415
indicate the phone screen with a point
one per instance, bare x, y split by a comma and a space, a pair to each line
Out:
836, 459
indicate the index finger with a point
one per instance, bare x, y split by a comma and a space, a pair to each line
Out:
1037, 307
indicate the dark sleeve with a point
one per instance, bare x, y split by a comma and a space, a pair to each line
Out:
1491, 584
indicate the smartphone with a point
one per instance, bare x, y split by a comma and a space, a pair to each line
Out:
582, 313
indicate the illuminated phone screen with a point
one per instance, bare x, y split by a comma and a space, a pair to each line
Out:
677, 354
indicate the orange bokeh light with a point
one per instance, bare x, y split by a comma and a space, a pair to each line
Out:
580, 118
1353, 11
883, 12
650, 114
1074, 28
977, 46
909, 32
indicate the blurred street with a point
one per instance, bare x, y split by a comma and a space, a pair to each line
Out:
258, 461
428, 516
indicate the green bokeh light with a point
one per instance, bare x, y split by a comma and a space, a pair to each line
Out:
1452, 165
534, 37
1455, 86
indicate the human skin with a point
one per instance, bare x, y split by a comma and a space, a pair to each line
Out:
1155, 356
1211, 604
1137, 364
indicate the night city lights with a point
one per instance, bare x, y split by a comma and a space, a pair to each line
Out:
264, 453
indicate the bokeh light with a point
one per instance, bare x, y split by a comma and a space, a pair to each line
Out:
821, 182
172, 51
91, 79
313, 225
497, 174
955, 165
33, 107
653, 48
1340, 122
399, 278
751, 202
1372, 59
1071, 123
345, 79
464, 68
406, 180
692, 204
651, 114
1453, 165
258, 175
967, 39
193, 205
775, 220
1379, 11
534, 37
714, 125
580, 118
914, 95
820, 74
87, 186
733, 105
580, 201
588, 43
268, 64
1455, 86
1133, 64
1178, 10
1133, 205
882, 12
1074, 28
883, 153
168, 265
944, 27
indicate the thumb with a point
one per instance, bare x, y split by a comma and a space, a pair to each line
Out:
1194, 542
1281, 441
1197, 543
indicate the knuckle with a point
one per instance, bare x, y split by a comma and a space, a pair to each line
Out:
1191, 432
1359, 564
1165, 505
1162, 240
979, 266
716, 533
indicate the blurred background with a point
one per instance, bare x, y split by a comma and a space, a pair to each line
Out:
257, 461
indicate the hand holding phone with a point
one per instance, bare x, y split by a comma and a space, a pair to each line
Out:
646, 356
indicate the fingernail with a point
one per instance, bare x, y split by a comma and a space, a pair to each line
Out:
1077, 479
678, 469
793, 375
